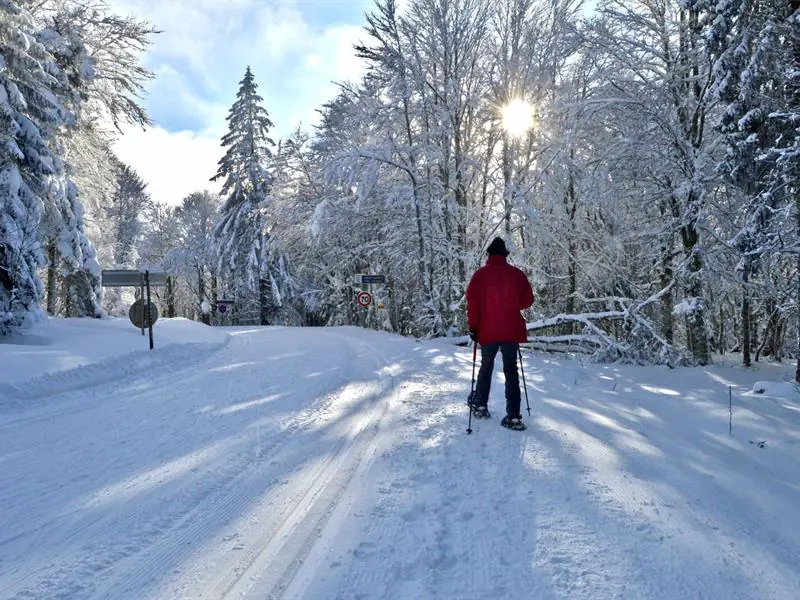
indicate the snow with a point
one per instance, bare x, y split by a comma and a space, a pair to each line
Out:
333, 463
62, 354
777, 389
688, 306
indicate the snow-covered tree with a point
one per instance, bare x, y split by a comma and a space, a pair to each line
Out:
194, 254
97, 54
660, 68
27, 165
71, 256
125, 217
242, 232
758, 81
160, 235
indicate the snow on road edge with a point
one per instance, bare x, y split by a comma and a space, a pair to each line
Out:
104, 371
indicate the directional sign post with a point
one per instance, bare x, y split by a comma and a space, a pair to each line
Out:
130, 278
143, 280
365, 297
366, 279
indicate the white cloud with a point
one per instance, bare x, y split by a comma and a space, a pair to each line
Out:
173, 164
199, 59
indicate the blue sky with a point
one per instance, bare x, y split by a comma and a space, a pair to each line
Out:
296, 49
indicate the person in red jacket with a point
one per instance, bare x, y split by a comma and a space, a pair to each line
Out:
496, 294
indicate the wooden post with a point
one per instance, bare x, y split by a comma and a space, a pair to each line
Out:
730, 410
141, 297
147, 312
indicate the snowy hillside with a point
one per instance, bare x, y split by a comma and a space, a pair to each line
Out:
333, 463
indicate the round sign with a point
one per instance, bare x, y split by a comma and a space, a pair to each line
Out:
222, 309
364, 298
138, 317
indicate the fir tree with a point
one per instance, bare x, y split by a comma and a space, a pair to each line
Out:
27, 104
242, 236
758, 86
125, 217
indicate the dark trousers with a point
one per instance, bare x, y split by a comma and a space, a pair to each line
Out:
488, 354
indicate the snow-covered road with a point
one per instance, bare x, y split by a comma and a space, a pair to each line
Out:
332, 463
201, 481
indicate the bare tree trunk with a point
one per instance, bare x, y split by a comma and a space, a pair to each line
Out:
666, 278
52, 277
572, 243
746, 320
264, 289
201, 297
779, 339
508, 184
773, 329
797, 290
170, 292
697, 322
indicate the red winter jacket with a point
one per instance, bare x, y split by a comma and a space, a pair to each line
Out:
496, 294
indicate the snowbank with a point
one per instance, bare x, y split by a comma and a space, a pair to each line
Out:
776, 389
67, 354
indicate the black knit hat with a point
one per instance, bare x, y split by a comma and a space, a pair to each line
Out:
497, 248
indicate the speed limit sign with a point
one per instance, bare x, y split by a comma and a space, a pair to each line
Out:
364, 298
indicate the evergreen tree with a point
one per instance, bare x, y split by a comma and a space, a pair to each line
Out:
242, 235
759, 78
125, 217
27, 104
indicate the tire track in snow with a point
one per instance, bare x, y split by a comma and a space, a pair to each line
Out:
302, 524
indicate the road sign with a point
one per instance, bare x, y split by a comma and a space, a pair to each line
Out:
130, 278
368, 279
138, 316
224, 306
364, 298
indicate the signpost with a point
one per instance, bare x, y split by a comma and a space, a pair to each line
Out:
139, 316
224, 306
131, 277
368, 279
364, 298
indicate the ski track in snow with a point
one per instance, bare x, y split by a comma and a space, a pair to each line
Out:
65, 538
334, 464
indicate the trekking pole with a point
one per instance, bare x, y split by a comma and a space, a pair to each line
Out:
524, 385
472, 385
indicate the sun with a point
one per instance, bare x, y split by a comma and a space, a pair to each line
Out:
517, 117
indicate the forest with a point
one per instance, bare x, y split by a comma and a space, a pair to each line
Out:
641, 160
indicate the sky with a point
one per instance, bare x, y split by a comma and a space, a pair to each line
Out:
297, 50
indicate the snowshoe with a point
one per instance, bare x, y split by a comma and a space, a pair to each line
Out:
478, 411
514, 423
